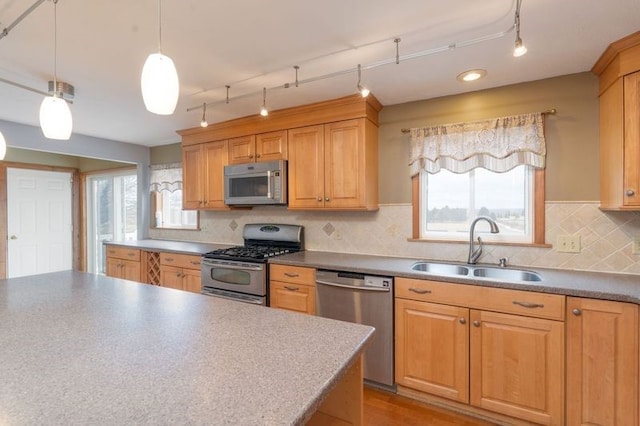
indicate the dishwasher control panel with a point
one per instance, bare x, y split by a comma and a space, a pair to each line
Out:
380, 282
354, 279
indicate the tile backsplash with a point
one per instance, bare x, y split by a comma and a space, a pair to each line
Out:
606, 238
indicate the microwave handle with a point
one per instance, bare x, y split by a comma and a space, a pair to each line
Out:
269, 179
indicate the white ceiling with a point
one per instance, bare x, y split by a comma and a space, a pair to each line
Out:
248, 45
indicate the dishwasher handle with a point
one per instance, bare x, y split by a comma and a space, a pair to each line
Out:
354, 287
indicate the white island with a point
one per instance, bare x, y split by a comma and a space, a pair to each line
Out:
78, 348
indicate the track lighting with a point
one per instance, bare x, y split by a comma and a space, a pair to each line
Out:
55, 116
159, 81
203, 122
264, 111
364, 92
519, 48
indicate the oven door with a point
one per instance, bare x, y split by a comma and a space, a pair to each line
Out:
239, 277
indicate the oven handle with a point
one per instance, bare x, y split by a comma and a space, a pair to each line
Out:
243, 267
269, 178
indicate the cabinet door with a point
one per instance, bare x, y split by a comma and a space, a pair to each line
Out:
113, 267
242, 150
602, 362
632, 140
432, 348
191, 280
344, 159
131, 270
306, 167
171, 277
271, 146
517, 366
293, 297
215, 158
192, 177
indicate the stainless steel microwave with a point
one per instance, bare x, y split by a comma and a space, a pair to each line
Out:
253, 184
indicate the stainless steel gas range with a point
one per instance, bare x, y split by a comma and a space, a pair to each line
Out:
241, 273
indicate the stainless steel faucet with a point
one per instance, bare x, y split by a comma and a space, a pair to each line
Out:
475, 254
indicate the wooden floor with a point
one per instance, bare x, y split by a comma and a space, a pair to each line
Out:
386, 409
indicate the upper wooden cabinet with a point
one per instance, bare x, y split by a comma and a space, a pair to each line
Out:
262, 147
203, 176
619, 72
334, 166
342, 135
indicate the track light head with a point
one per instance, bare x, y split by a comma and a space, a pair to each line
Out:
203, 122
264, 111
364, 92
519, 49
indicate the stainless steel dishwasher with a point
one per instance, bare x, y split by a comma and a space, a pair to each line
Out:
362, 299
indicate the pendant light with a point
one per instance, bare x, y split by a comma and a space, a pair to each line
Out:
203, 122
3, 147
159, 80
264, 111
55, 116
519, 48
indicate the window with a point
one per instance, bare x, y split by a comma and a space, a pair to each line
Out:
166, 199
491, 168
452, 201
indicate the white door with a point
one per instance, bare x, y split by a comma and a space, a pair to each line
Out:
39, 222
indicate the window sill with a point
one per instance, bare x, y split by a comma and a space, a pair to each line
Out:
488, 243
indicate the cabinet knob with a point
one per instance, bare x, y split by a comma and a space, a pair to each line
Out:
577, 312
462, 321
326, 199
630, 192
319, 198
257, 155
250, 155
476, 323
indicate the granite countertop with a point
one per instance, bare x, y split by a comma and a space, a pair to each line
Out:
184, 247
79, 348
610, 286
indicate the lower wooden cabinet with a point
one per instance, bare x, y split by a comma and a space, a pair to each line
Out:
123, 262
602, 362
292, 288
517, 366
180, 271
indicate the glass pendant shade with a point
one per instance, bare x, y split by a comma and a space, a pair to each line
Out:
55, 118
160, 85
3, 146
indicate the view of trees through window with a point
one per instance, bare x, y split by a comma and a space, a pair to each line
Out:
453, 200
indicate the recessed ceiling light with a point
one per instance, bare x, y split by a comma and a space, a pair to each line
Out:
471, 75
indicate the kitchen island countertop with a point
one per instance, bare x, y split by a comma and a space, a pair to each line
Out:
184, 247
79, 348
598, 285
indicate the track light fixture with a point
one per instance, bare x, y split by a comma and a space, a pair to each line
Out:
203, 122
159, 81
519, 48
364, 92
264, 111
55, 116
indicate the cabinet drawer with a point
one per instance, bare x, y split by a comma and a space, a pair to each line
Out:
180, 260
293, 274
123, 253
293, 297
527, 303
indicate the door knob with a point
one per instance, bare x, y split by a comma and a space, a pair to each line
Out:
13, 237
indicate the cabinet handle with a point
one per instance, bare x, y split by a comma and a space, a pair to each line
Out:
630, 193
291, 288
257, 155
462, 321
291, 274
319, 198
131, 254
476, 323
528, 304
420, 291
326, 199
195, 262
577, 312
250, 155
169, 259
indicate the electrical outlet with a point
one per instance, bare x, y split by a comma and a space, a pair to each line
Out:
568, 244
635, 248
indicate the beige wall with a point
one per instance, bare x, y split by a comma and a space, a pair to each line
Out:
28, 156
571, 134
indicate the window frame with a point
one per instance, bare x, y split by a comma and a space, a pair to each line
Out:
538, 218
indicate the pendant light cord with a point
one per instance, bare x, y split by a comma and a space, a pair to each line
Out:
159, 26
55, 48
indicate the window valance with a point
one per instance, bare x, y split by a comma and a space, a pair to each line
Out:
165, 177
498, 144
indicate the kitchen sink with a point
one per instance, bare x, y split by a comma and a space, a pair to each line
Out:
477, 272
506, 274
440, 268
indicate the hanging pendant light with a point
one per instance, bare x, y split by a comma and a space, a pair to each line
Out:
3, 147
264, 111
159, 81
519, 48
55, 116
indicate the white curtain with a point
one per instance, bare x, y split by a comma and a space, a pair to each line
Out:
166, 177
498, 144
